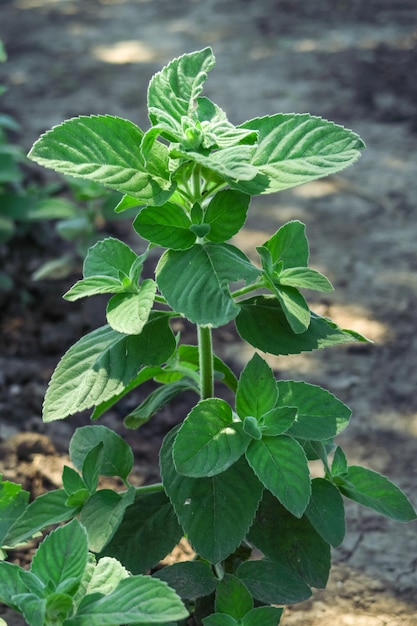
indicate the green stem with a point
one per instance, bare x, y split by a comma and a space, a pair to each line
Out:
197, 183
241, 292
205, 350
150, 488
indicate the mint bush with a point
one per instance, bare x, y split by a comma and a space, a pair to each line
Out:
234, 477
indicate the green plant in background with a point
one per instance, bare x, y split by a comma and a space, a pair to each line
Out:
80, 209
235, 478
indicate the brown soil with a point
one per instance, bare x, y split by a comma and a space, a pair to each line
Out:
348, 60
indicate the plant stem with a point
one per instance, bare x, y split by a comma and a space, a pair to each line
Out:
150, 488
205, 350
241, 292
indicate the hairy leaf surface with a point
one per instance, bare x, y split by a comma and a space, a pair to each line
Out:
215, 512
104, 149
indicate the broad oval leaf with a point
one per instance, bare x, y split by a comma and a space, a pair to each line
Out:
289, 245
226, 214
102, 514
92, 286
278, 420
117, 457
294, 307
208, 441
136, 599
290, 542
215, 512
109, 257
320, 415
273, 583
257, 389
305, 278
190, 579
261, 322
48, 508
326, 512
297, 148
105, 149
173, 90
101, 364
232, 597
166, 226
377, 492
129, 312
281, 465
62, 556
148, 521
195, 282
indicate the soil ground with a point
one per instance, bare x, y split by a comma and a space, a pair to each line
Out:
350, 61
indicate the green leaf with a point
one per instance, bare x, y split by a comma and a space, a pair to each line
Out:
173, 90
129, 312
262, 616
126, 203
272, 583
190, 579
232, 164
58, 607
49, 508
155, 401
320, 415
137, 599
261, 322
257, 389
14, 582
220, 619
217, 130
378, 493
149, 521
62, 557
326, 512
92, 286
294, 307
195, 282
104, 149
232, 597
339, 463
101, 364
251, 427
117, 454
166, 226
72, 481
290, 542
278, 420
289, 245
209, 440
106, 576
304, 278
281, 465
215, 512
109, 257
226, 214
145, 374
293, 149
102, 514
91, 466
13, 502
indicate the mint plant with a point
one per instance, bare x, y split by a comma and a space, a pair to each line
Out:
235, 478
